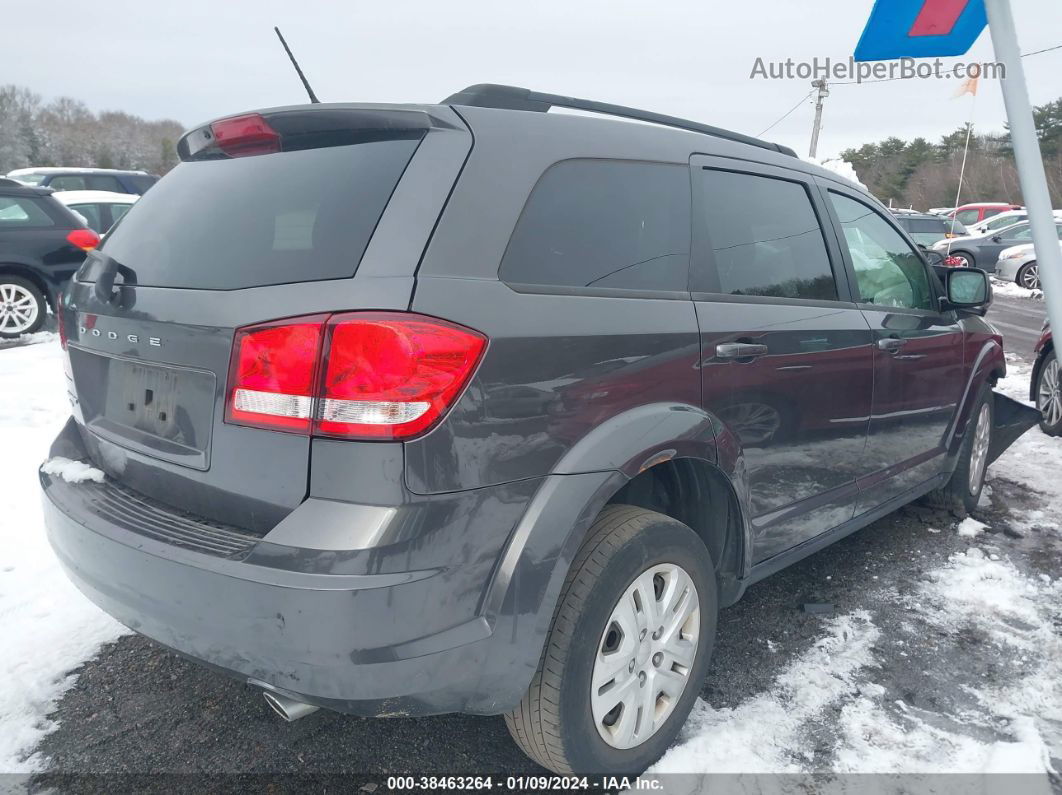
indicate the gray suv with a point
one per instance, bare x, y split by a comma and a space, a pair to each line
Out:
472, 407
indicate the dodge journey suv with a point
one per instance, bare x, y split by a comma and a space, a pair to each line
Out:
472, 407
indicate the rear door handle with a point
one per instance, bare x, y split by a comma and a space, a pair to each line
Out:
739, 350
891, 344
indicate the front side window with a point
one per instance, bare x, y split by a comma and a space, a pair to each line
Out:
20, 211
1019, 233
604, 223
888, 271
765, 237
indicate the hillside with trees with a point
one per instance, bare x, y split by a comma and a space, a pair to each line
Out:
922, 174
64, 132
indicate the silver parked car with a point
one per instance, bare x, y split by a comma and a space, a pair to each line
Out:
1018, 264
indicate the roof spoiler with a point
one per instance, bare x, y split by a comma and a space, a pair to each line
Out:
492, 95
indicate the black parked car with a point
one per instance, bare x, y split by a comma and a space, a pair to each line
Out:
42, 243
471, 407
108, 179
926, 229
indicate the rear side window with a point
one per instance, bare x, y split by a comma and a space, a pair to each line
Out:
105, 182
923, 225
68, 182
604, 223
141, 182
20, 211
278, 218
91, 214
765, 238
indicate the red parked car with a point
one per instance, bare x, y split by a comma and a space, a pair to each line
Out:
969, 214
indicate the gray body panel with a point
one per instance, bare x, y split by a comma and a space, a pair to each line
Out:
421, 577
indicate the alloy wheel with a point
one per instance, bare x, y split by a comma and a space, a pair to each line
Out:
1049, 396
18, 309
979, 451
1029, 278
645, 655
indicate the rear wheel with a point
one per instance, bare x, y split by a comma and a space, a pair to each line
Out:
22, 307
628, 649
1028, 277
961, 493
1049, 395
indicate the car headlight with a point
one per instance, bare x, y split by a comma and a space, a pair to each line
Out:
1015, 255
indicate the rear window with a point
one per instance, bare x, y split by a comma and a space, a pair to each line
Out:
604, 223
252, 221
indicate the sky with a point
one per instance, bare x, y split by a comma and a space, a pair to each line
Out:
196, 60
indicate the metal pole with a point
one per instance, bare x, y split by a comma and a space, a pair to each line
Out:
823, 92
1027, 157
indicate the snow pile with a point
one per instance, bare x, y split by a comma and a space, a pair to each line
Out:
36, 338
766, 733
48, 627
1013, 290
72, 471
970, 527
841, 168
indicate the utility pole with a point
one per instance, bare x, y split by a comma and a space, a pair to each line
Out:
1027, 156
823, 92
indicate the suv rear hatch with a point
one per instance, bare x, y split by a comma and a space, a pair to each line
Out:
269, 216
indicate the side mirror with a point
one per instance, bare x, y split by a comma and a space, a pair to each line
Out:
934, 258
996, 238
967, 288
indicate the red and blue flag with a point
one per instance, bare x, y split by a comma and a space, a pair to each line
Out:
920, 29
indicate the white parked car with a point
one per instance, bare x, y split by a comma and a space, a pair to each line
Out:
1018, 264
101, 209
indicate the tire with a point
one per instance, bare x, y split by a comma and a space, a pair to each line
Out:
22, 307
1049, 395
555, 723
1028, 276
961, 493
967, 259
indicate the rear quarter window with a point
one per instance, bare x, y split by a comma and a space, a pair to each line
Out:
287, 217
604, 223
19, 211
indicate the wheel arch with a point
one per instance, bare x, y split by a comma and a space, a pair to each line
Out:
29, 274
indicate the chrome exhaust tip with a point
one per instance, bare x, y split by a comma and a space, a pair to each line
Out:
288, 708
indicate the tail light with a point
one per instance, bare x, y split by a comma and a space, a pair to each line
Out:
358, 375
84, 239
245, 135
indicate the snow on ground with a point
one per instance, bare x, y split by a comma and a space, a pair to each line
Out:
48, 627
1009, 288
837, 695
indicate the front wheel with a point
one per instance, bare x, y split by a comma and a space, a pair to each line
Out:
965, 260
1028, 277
1049, 396
628, 649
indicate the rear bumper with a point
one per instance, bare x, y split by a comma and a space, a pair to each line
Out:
312, 636
444, 608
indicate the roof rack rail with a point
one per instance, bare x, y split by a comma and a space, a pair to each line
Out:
493, 95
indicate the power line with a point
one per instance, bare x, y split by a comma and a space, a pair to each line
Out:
1045, 49
786, 115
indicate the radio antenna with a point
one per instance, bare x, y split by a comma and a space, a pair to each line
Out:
302, 77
